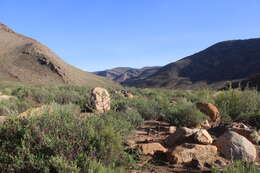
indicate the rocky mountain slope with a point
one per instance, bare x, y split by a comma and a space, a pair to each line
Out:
24, 60
125, 74
234, 60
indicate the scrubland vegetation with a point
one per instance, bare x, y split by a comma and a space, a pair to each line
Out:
63, 140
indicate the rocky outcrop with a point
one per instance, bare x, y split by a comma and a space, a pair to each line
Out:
236, 147
210, 110
100, 100
179, 136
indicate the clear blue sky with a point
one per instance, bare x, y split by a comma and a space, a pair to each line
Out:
100, 34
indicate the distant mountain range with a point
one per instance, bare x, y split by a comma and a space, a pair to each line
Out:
24, 60
235, 61
123, 75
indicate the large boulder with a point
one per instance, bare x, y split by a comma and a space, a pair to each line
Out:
186, 153
100, 100
236, 147
210, 110
203, 137
151, 148
179, 136
249, 133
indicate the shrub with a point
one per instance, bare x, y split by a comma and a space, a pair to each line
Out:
184, 115
49, 94
12, 107
235, 103
58, 141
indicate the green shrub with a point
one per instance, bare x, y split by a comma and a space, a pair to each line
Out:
184, 115
56, 141
12, 107
49, 94
236, 103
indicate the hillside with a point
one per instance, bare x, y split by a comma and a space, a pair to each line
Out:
24, 60
125, 74
234, 60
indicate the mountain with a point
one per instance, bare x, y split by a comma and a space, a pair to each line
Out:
234, 60
25, 60
125, 74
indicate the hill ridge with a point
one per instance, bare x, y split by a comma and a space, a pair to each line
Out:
25, 60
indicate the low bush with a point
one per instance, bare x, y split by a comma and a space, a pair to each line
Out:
184, 115
235, 103
49, 94
13, 107
58, 141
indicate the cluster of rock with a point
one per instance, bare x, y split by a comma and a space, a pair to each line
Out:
198, 148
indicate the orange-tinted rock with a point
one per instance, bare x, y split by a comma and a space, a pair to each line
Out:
210, 110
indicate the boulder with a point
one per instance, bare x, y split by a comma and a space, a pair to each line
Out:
187, 153
210, 110
251, 134
203, 137
100, 100
151, 148
236, 147
179, 136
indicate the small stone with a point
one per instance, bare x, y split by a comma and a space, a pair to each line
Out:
172, 129
203, 137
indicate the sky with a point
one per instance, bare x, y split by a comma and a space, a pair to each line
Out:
101, 34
